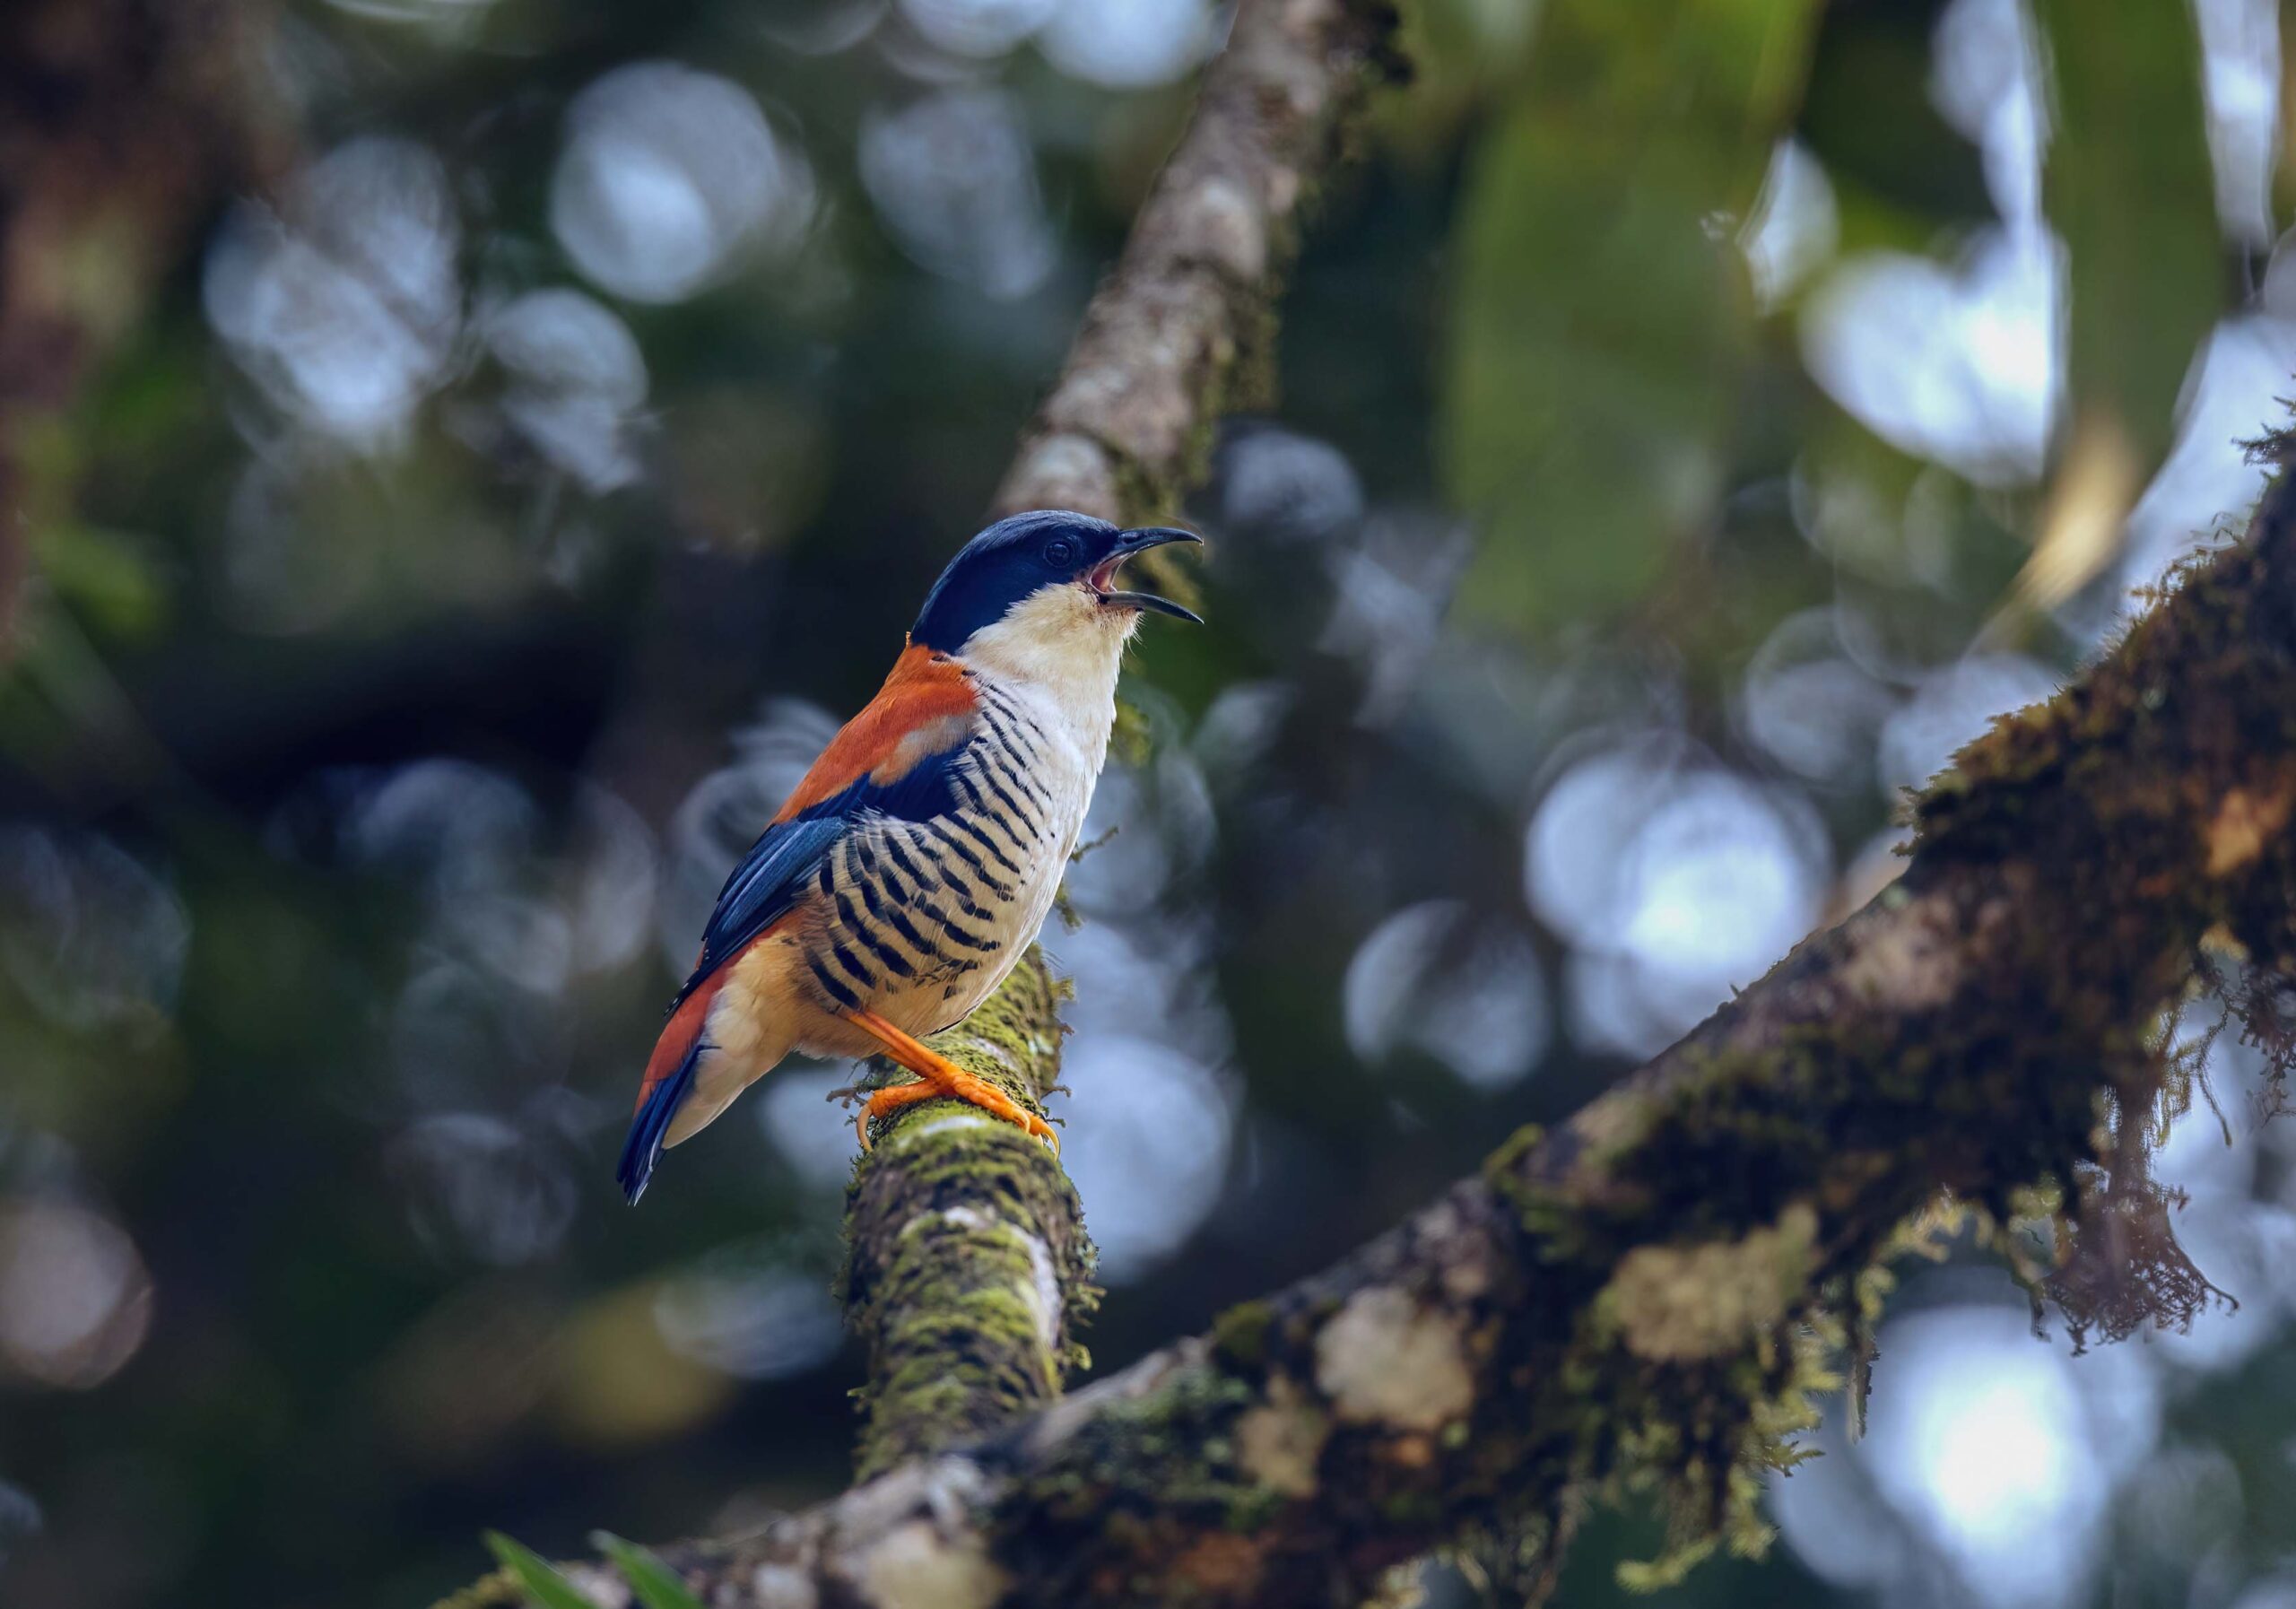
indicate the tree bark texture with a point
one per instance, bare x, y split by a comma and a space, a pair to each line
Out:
1650, 1296
1182, 330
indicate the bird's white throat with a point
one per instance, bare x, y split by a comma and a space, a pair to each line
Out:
1063, 647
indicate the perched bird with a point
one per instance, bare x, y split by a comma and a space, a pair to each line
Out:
909, 870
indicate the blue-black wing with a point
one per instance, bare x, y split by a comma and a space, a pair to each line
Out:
772, 876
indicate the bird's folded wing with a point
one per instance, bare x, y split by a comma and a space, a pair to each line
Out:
892, 759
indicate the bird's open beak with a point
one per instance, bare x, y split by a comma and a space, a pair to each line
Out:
1103, 578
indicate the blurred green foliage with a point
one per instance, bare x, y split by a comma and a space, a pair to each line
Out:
1601, 317
543, 1583
2126, 185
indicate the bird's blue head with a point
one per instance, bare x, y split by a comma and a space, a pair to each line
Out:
1064, 564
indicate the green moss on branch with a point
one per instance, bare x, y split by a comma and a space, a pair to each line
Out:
968, 1269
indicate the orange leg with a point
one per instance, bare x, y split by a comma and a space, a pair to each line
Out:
942, 1078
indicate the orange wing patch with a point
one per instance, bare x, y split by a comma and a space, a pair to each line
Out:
921, 710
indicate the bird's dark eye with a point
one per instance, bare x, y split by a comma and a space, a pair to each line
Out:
1059, 552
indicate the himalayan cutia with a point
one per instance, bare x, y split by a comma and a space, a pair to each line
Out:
911, 868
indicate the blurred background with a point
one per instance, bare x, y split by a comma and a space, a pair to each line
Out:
1697, 419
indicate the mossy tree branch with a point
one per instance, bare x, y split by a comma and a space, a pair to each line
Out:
967, 1266
1648, 1296
1181, 330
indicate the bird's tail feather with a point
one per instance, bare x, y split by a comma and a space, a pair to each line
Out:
650, 1128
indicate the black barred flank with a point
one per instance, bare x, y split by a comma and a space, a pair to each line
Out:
893, 959
1012, 806
965, 824
830, 987
851, 963
1015, 768
909, 869
900, 923
965, 936
857, 880
941, 835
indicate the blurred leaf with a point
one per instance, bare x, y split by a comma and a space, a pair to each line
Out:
616, 1382
543, 1582
1901, 171
106, 575
656, 1585
2089, 498
1601, 310
2128, 188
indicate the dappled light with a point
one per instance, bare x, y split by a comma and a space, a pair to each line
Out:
667, 176
344, 305
954, 178
75, 1301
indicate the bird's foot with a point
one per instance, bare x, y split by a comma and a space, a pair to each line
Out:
966, 1087
940, 1077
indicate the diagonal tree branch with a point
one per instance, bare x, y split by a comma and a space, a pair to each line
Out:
1181, 332
1638, 1298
